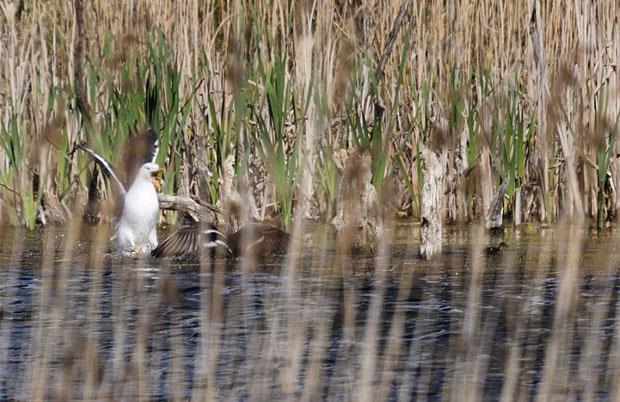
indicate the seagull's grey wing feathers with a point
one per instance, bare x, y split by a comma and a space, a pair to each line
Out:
138, 149
107, 168
150, 132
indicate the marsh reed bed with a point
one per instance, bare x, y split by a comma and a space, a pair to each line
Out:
524, 93
258, 99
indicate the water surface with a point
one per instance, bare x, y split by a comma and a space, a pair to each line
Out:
519, 324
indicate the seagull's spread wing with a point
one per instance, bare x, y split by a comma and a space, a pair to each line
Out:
107, 168
154, 143
138, 149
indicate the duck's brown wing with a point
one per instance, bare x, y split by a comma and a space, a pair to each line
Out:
258, 239
183, 242
190, 239
276, 239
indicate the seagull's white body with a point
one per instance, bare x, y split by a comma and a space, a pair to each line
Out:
136, 231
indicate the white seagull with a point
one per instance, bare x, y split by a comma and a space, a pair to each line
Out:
136, 231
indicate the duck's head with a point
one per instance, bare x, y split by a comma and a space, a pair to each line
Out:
151, 171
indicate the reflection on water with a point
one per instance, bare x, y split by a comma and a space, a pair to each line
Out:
327, 329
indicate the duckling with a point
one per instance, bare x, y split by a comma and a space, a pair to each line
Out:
493, 250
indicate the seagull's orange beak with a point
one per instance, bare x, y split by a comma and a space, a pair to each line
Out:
156, 179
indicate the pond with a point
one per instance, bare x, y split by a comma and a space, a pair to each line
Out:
539, 320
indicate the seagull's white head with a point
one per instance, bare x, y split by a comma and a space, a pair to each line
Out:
150, 172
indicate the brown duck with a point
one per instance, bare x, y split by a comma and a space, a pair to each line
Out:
255, 240
493, 250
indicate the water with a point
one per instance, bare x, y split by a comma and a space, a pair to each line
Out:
515, 326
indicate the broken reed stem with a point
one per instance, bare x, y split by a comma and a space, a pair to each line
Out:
432, 202
190, 206
78, 59
369, 359
561, 342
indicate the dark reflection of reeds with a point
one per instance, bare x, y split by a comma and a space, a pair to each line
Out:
537, 321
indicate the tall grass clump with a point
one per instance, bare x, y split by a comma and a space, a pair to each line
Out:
274, 143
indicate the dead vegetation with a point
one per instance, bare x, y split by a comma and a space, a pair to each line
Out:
525, 93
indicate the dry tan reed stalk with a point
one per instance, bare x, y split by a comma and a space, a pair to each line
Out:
389, 362
304, 77
176, 367
368, 358
292, 321
304, 48
205, 356
613, 376
313, 380
509, 387
92, 366
489, 325
416, 352
15, 255
118, 372
553, 381
37, 367
464, 383
530, 315
592, 354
